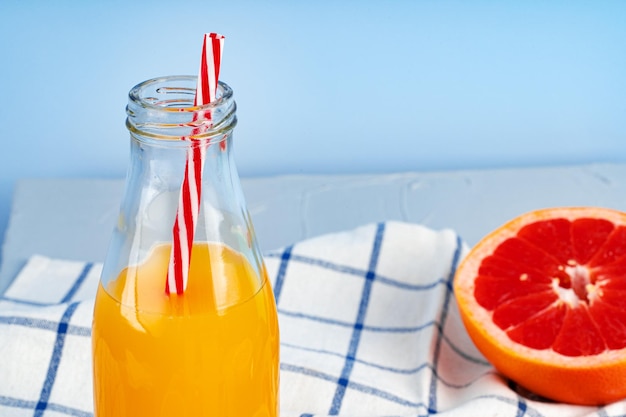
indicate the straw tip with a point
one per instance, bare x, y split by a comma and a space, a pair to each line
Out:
214, 35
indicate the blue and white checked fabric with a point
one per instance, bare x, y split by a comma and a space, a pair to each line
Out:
369, 327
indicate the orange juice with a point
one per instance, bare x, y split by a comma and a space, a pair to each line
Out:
212, 351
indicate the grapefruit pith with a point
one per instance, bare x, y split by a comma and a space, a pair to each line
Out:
543, 298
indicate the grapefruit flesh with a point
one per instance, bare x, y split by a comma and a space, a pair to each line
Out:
544, 299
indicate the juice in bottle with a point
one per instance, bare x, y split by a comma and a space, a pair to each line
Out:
212, 351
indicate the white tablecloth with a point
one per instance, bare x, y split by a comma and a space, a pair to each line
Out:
369, 327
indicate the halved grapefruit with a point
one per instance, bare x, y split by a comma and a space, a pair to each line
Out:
543, 297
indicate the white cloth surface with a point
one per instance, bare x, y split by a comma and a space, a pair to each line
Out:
368, 323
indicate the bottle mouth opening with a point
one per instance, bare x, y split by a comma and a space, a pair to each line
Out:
163, 108
175, 93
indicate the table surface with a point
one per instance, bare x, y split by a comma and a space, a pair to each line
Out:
73, 218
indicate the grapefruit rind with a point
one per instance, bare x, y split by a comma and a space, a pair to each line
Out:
590, 380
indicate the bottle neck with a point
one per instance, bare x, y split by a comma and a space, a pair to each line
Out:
165, 129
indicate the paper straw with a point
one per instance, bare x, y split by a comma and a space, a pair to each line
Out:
191, 189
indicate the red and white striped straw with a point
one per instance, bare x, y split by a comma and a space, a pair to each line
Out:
191, 189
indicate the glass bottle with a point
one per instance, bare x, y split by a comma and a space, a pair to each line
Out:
213, 349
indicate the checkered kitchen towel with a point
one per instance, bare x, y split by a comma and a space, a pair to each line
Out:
369, 327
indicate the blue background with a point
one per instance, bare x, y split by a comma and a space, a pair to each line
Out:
324, 86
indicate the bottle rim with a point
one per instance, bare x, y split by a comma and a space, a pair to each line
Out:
163, 108
224, 93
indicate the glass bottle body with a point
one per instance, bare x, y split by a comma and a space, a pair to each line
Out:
212, 350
